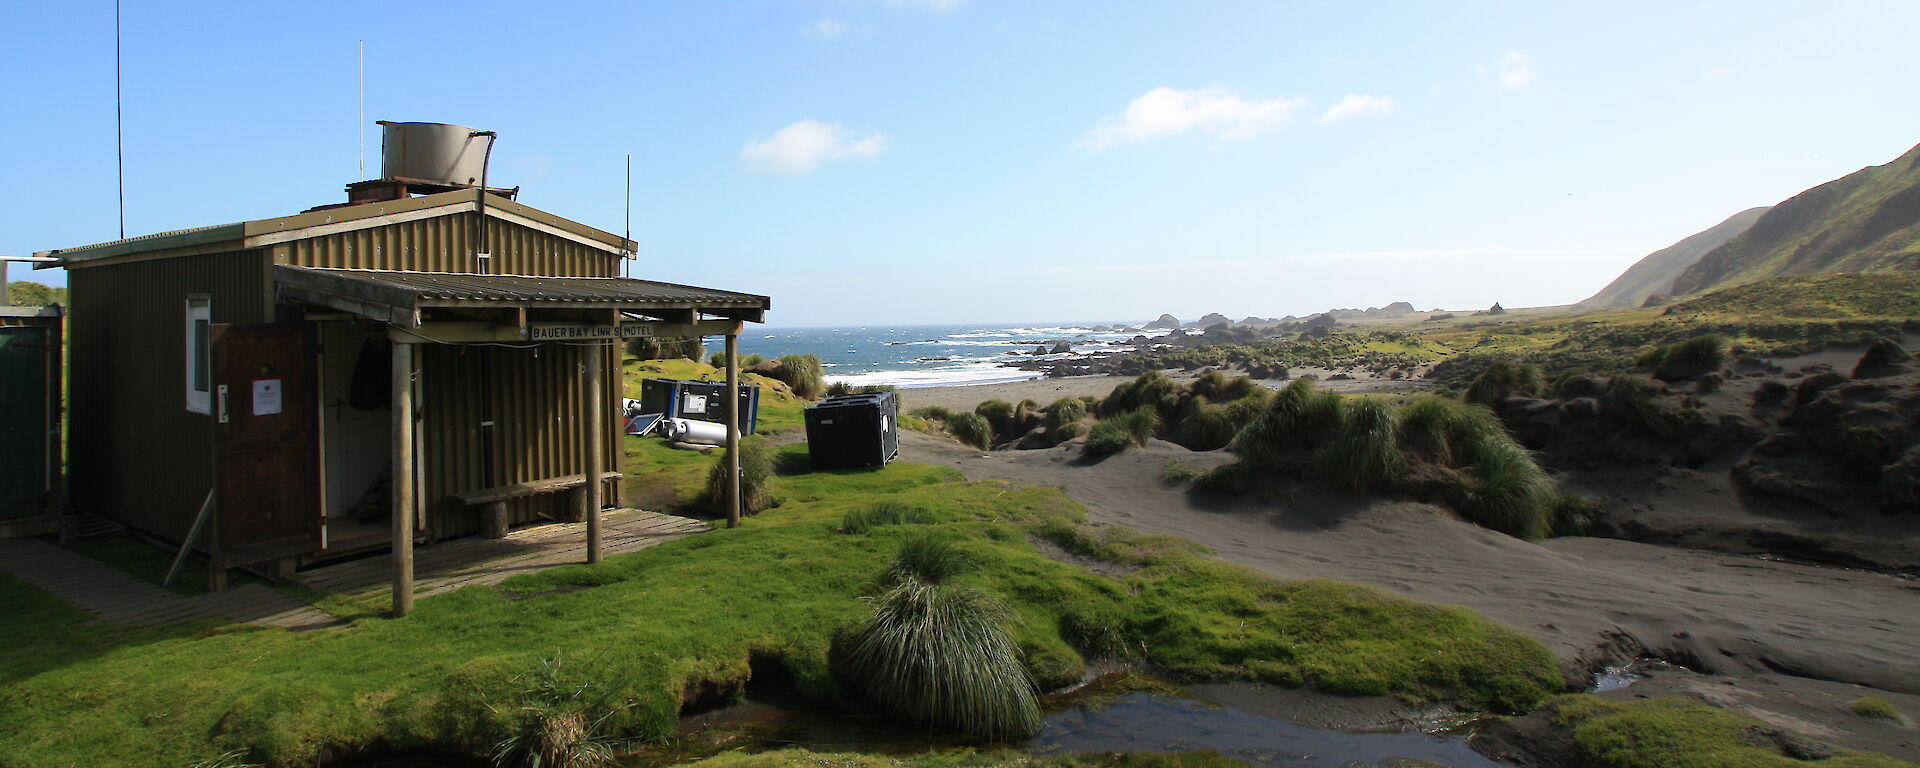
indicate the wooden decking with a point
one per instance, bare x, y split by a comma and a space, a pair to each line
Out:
453, 564
114, 596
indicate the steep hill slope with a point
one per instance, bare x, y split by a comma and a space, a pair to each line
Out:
1655, 273
1866, 221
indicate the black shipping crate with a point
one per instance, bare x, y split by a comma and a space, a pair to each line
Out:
854, 431
699, 401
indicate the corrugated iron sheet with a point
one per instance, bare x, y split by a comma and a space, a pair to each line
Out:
429, 288
135, 453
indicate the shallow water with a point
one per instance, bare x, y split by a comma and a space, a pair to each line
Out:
1143, 722
1133, 722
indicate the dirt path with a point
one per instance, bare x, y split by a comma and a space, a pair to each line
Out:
1592, 601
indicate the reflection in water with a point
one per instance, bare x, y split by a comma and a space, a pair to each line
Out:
1143, 722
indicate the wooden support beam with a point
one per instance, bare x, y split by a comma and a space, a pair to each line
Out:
592, 431
402, 511
459, 332
733, 426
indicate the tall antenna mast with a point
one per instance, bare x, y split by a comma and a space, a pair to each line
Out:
119, 142
628, 238
363, 110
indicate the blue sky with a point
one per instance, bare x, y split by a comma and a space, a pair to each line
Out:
901, 161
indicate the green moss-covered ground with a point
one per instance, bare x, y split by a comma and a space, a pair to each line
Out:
1682, 733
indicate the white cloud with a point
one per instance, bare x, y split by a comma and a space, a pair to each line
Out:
801, 147
825, 29
1169, 112
1358, 105
937, 6
1516, 70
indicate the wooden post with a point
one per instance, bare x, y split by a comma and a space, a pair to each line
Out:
733, 426
595, 455
402, 512
493, 520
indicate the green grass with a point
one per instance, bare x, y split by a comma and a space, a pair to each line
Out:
884, 512
970, 429
1115, 434
1672, 732
1876, 708
690, 614
1688, 359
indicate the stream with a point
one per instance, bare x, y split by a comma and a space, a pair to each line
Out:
1165, 719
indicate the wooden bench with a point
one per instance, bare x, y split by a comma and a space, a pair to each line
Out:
493, 517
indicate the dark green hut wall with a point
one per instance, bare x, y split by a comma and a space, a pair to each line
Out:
135, 453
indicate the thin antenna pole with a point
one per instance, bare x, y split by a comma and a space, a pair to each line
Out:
363, 110
119, 133
628, 238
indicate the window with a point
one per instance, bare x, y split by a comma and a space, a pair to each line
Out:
199, 361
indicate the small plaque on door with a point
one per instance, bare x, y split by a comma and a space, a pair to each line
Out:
267, 399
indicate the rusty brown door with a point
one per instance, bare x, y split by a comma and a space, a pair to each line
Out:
266, 442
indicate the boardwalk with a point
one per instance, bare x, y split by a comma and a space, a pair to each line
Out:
112, 595
458, 563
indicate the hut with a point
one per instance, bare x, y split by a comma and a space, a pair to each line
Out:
430, 360
30, 481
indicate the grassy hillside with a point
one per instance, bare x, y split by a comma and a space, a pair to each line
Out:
1867, 221
1656, 273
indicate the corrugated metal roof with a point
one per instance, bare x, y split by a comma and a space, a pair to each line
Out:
434, 288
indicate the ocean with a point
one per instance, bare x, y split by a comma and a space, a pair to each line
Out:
910, 356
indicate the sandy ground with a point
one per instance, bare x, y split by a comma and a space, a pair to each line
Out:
1787, 636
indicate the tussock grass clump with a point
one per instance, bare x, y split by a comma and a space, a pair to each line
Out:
1688, 359
756, 478
1366, 452
1574, 514
803, 374
929, 559
1147, 389
932, 412
1632, 397
971, 429
1507, 492
1063, 412
552, 725
719, 360
996, 412
668, 348
1875, 707
1205, 426
888, 512
1504, 379
1296, 421
941, 655
1448, 432
1116, 434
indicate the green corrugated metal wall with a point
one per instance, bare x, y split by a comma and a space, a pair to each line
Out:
135, 453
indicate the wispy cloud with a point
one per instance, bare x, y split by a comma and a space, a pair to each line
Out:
1166, 111
1516, 70
801, 147
937, 6
1358, 105
825, 29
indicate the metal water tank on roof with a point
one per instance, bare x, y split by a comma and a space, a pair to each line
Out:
432, 152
